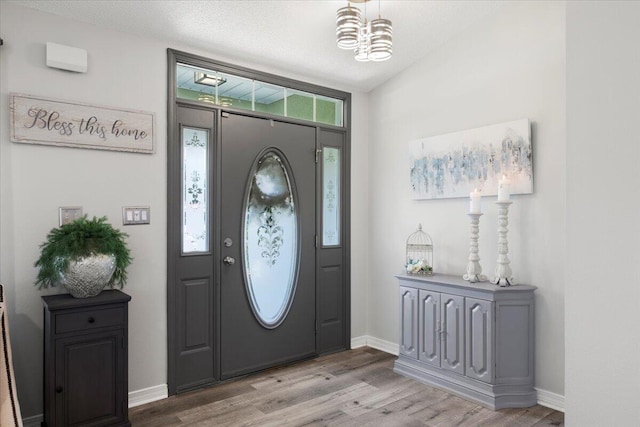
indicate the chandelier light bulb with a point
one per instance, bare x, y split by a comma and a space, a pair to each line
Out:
362, 50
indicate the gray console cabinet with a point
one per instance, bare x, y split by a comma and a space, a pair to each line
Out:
475, 340
85, 360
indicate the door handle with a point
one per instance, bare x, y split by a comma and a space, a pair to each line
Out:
229, 260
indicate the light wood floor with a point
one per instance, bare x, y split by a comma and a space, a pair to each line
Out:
352, 388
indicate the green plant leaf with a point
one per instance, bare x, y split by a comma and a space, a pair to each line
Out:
79, 239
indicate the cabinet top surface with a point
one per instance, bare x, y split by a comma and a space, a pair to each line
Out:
64, 301
459, 282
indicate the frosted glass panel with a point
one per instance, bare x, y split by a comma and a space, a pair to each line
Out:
330, 196
270, 240
195, 173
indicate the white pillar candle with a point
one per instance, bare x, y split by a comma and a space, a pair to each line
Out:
503, 189
474, 204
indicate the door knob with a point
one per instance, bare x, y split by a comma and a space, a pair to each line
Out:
229, 260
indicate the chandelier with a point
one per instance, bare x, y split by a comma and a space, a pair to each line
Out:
371, 41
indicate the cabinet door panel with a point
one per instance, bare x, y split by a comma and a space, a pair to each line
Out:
452, 308
87, 390
479, 341
429, 327
409, 322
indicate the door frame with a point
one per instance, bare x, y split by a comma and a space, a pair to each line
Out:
174, 194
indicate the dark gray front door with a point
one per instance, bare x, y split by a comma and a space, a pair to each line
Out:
267, 258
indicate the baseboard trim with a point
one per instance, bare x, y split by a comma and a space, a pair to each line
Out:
386, 346
377, 343
357, 342
550, 400
148, 395
33, 421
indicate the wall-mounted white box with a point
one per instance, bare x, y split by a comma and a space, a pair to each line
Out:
66, 58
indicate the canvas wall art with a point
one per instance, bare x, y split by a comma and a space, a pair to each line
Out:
452, 165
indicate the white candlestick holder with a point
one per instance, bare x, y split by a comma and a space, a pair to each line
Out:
474, 270
502, 276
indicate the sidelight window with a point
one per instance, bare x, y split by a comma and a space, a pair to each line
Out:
195, 205
330, 196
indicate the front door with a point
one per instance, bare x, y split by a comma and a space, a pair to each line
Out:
257, 225
267, 231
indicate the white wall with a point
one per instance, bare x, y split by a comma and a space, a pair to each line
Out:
506, 67
359, 213
129, 72
42, 178
603, 214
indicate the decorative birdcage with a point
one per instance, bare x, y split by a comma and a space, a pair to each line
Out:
420, 253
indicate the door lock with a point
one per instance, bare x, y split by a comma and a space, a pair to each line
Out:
229, 260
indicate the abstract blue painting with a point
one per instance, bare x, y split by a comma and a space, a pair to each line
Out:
452, 165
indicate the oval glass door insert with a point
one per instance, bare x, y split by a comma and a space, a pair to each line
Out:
270, 234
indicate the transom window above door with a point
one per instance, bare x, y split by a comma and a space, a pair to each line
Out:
233, 91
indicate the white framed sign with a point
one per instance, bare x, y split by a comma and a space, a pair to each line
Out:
37, 120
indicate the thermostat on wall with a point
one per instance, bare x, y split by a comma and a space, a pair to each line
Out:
66, 57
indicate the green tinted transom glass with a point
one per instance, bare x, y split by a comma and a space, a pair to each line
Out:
228, 90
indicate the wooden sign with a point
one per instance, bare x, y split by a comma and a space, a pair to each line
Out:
36, 120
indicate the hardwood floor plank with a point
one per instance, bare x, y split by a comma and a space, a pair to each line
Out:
382, 376
351, 389
185, 401
555, 418
359, 361
382, 397
415, 402
281, 396
450, 411
382, 418
155, 421
320, 385
510, 417
229, 418
318, 408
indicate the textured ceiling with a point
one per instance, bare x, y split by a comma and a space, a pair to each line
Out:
288, 35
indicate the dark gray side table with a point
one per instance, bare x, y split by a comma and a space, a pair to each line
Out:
85, 360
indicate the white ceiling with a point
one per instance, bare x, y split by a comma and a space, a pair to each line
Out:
295, 36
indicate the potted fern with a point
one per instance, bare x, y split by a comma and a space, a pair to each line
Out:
85, 255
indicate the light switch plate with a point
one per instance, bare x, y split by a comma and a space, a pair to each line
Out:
69, 214
135, 215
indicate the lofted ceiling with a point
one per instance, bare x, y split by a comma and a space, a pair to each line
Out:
294, 36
